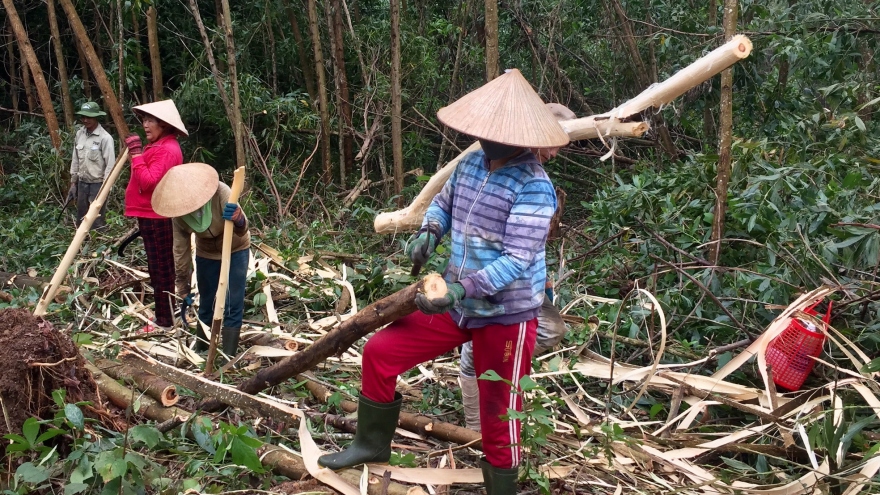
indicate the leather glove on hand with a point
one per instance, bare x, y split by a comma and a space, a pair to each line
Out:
454, 294
421, 245
71, 193
133, 142
233, 213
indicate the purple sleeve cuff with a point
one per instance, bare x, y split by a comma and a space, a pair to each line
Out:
468, 285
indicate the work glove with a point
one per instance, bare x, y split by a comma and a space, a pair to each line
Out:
233, 213
421, 245
133, 142
71, 193
436, 306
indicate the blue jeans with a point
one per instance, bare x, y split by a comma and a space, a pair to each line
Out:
208, 276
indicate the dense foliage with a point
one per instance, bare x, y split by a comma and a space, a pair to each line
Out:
803, 203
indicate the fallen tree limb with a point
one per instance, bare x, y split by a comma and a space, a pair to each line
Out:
154, 386
273, 457
336, 341
416, 423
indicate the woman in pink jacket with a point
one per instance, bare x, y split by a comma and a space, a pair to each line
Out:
162, 125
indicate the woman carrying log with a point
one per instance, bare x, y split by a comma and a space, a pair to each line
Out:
497, 206
193, 196
162, 125
551, 327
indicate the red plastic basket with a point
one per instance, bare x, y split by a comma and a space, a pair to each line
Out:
789, 355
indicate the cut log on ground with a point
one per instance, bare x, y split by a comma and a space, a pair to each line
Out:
415, 423
369, 319
273, 457
158, 388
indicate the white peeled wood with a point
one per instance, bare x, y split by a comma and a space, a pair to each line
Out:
84, 226
223, 282
595, 126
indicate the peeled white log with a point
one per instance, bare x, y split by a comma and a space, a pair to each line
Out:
594, 126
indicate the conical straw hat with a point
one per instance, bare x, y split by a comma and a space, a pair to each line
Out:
505, 110
165, 111
184, 189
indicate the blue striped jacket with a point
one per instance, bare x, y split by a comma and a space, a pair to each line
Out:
499, 223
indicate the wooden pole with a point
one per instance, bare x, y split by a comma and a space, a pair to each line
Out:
223, 283
155, 60
336, 341
84, 226
66, 101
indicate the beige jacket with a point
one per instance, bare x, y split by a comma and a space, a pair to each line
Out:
209, 244
93, 155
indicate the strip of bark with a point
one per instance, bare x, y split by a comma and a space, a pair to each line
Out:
338, 340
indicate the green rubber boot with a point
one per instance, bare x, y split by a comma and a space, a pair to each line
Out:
499, 481
202, 343
372, 441
230, 337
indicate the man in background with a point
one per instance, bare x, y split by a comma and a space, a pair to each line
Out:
93, 159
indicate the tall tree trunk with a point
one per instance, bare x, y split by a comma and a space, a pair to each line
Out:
345, 125
708, 116
155, 58
13, 72
453, 83
121, 54
271, 35
315, 31
492, 70
725, 139
237, 125
84, 70
66, 102
37, 71
26, 78
136, 33
304, 64
396, 110
97, 67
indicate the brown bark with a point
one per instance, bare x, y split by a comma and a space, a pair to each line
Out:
97, 69
212, 63
37, 72
396, 106
159, 389
136, 33
155, 58
725, 139
277, 459
66, 102
13, 73
304, 64
121, 51
343, 97
416, 423
492, 70
84, 69
235, 121
339, 339
315, 31
26, 81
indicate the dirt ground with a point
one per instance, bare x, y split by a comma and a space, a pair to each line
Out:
37, 359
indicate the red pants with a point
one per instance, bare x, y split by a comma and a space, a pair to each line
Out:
505, 349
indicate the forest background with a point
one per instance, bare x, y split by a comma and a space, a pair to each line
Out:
802, 144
